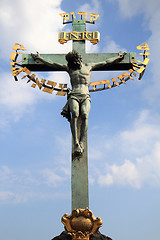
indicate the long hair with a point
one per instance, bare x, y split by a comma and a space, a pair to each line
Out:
74, 60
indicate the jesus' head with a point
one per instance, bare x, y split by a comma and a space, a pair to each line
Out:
74, 60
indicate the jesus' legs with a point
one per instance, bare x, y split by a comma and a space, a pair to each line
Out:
85, 108
74, 108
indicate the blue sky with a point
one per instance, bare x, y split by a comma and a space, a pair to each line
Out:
123, 134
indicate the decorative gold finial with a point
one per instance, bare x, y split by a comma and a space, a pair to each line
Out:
81, 223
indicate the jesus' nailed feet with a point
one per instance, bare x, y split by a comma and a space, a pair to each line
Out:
78, 150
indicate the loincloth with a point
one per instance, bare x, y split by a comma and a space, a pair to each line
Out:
80, 98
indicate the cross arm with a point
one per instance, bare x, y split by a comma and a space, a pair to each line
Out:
109, 61
45, 62
48, 62
88, 58
112, 60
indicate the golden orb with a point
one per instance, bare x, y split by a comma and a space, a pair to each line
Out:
82, 224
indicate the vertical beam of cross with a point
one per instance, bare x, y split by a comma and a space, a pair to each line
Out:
79, 178
79, 26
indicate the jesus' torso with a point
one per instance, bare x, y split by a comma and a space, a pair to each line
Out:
80, 79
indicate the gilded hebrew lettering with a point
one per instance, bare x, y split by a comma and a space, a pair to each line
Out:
65, 16
73, 14
93, 17
83, 13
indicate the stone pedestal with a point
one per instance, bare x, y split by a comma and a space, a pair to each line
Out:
96, 236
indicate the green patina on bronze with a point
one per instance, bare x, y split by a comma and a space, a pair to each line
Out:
125, 64
79, 173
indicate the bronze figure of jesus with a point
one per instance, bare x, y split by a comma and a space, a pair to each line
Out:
78, 103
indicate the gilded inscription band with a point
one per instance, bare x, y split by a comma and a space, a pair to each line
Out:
93, 37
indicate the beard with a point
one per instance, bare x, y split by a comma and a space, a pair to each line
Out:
75, 64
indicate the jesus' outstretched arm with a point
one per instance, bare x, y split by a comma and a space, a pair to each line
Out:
108, 61
37, 57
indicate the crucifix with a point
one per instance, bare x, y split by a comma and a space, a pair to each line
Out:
79, 65
79, 100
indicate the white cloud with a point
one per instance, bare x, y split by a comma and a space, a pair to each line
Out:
143, 134
50, 177
121, 175
95, 153
111, 46
14, 197
91, 180
64, 142
23, 185
17, 98
9, 177
128, 9
145, 170
137, 157
35, 24
6, 175
15, 94
93, 7
5, 195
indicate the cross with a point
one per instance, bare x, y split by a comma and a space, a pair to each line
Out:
79, 179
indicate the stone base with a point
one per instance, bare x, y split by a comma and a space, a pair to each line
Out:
96, 236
